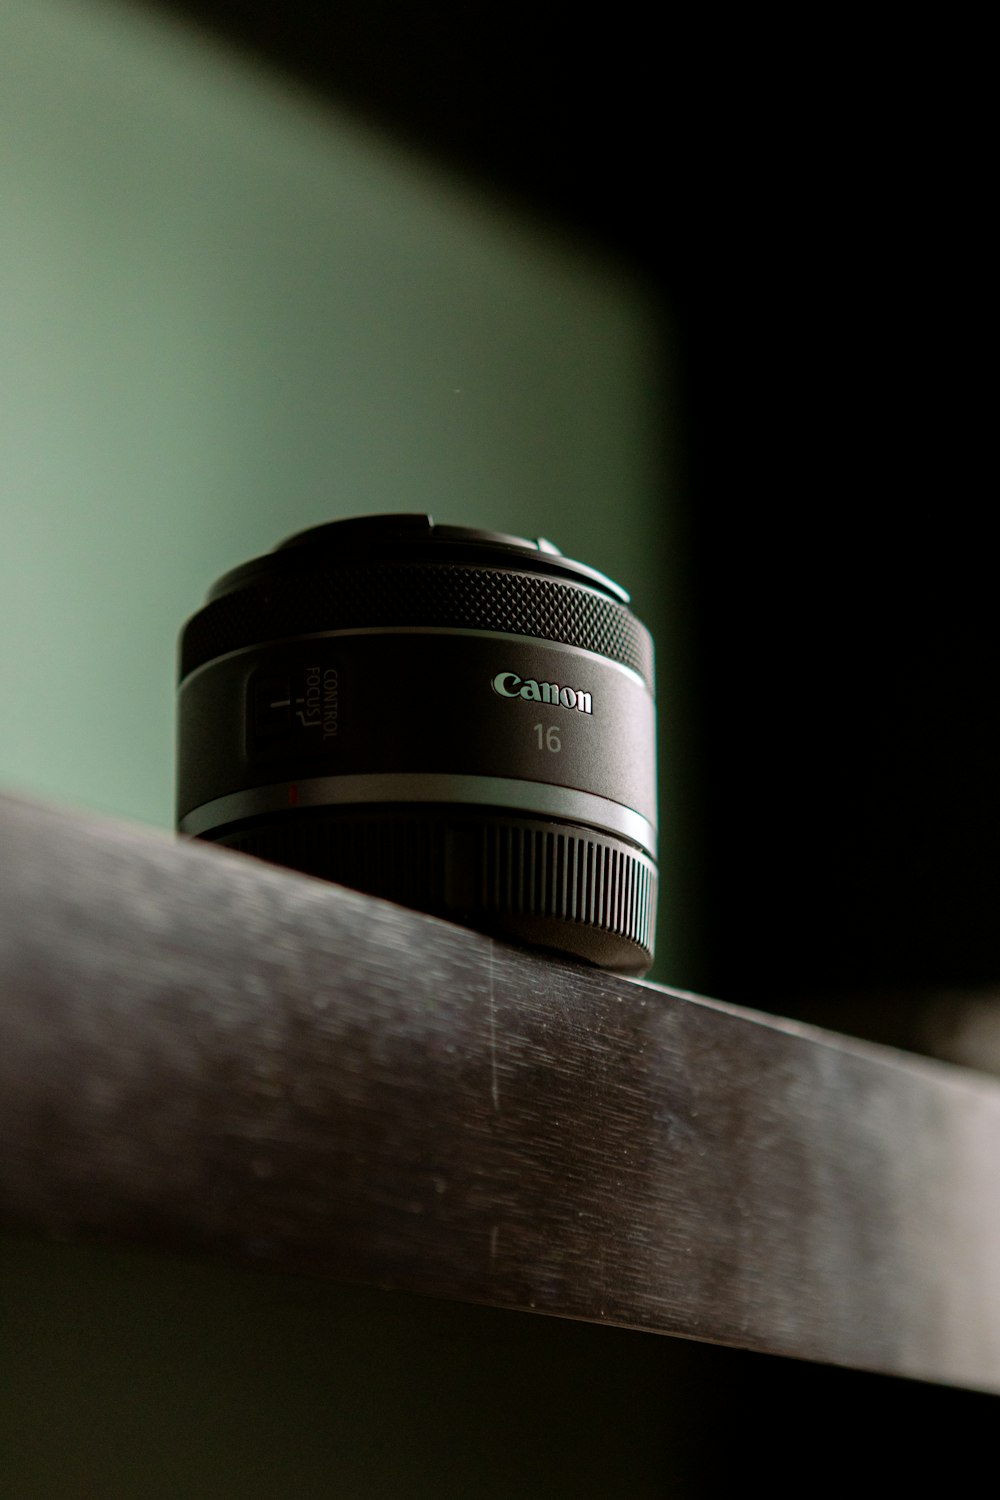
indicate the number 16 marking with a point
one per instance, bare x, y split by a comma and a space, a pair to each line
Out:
548, 739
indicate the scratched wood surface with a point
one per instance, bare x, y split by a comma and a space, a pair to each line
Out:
205, 1054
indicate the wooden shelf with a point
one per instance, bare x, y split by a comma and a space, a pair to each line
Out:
203, 1053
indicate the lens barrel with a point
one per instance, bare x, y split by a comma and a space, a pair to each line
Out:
456, 720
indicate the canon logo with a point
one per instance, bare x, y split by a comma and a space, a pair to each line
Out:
509, 685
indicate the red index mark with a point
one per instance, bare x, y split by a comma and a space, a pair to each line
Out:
293, 795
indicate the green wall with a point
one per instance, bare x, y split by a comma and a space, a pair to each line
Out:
229, 313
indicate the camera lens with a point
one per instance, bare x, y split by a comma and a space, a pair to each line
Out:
457, 720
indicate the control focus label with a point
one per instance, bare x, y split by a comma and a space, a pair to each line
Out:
296, 711
420, 702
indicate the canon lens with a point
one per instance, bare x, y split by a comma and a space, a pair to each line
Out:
457, 720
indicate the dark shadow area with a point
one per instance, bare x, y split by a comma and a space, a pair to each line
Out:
141, 1376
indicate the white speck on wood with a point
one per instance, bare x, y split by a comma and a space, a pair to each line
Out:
494, 1078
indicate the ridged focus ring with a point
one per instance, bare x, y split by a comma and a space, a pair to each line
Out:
452, 597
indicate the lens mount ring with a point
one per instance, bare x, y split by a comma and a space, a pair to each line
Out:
546, 882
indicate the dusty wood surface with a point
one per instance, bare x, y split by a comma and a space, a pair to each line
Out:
202, 1053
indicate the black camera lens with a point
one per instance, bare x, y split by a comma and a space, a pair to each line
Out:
457, 720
